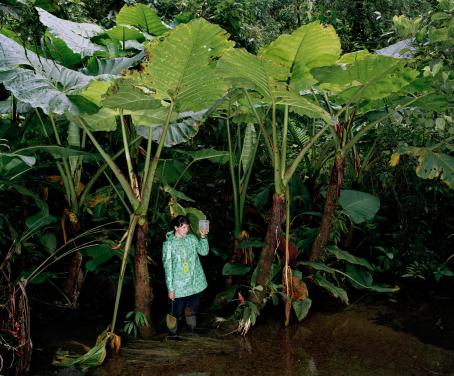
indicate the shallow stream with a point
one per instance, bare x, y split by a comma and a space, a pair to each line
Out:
353, 342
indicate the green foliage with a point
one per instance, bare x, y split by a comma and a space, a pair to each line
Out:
235, 269
134, 319
359, 206
431, 165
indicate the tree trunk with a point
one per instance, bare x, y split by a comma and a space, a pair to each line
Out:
332, 196
143, 290
268, 250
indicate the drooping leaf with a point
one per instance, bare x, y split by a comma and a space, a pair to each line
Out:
21, 107
46, 86
231, 268
318, 266
56, 151
359, 206
336, 291
115, 66
143, 17
344, 255
177, 194
301, 308
75, 35
432, 165
98, 255
215, 156
360, 275
60, 52
310, 46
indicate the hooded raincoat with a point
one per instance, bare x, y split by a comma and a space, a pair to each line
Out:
183, 270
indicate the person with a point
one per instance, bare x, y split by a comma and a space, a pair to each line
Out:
185, 278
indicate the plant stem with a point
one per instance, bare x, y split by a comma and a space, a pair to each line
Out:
131, 229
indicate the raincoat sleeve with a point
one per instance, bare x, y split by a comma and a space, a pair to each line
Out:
167, 261
202, 246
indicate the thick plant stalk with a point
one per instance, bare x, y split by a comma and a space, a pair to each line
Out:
131, 229
144, 296
332, 197
267, 253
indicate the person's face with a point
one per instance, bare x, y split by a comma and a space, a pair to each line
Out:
182, 230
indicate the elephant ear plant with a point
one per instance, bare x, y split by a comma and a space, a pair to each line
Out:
163, 100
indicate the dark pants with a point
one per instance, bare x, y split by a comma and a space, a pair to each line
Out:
189, 305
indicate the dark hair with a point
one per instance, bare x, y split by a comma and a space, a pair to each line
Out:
179, 220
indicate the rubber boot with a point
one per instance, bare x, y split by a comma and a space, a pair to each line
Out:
191, 322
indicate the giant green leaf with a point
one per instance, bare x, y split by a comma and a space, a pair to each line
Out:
310, 46
75, 35
359, 206
46, 86
143, 17
181, 66
373, 77
246, 71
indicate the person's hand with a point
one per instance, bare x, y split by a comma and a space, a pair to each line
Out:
172, 295
204, 232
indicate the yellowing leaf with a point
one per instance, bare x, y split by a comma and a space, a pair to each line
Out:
394, 160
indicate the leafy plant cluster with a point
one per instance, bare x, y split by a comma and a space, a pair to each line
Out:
109, 131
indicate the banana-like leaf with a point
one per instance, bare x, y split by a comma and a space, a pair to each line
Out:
374, 77
336, 291
181, 68
56, 151
143, 17
432, 165
46, 86
249, 144
177, 194
75, 35
346, 256
310, 46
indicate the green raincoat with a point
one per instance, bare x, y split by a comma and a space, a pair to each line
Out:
180, 256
